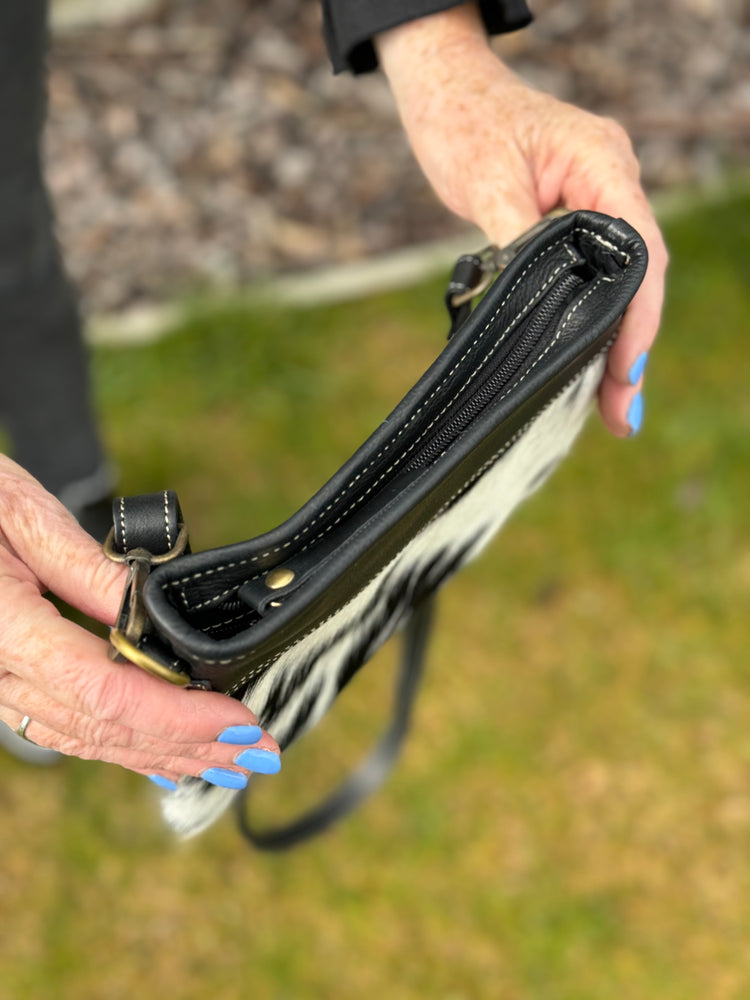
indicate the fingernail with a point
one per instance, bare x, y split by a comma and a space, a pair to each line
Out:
162, 782
635, 413
242, 735
224, 778
260, 761
638, 368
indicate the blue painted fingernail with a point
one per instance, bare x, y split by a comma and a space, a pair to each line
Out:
242, 735
638, 368
260, 761
635, 413
162, 782
224, 778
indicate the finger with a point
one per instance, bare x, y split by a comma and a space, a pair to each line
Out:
162, 779
46, 538
193, 761
226, 760
70, 665
19, 698
620, 394
505, 218
623, 197
621, 407
640, 324
501, 197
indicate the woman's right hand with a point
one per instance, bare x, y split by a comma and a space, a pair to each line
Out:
57, 673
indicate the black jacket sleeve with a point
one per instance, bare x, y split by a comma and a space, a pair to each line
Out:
349, 25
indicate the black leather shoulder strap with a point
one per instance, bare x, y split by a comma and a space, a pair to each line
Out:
375, 768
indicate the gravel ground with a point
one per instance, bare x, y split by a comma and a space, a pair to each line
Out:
202, 143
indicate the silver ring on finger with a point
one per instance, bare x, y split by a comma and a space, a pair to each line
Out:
21, 730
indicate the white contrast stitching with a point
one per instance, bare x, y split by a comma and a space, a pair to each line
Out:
373, 486
609, 246
166, 521
466, 486
122, 524
308, 527
555, 339
386, 447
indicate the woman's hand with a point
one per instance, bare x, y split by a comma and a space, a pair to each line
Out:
501, 155
79, 701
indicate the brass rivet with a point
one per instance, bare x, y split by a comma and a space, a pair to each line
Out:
278, 578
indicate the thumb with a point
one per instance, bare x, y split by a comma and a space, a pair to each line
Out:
48, 540
502, 216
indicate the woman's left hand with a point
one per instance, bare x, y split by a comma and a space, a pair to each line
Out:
501, 155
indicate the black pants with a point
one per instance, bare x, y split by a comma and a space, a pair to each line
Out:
45, 403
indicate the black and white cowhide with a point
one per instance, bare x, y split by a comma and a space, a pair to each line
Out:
299, 688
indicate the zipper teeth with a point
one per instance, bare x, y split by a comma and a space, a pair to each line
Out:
260, 668
464, 412
498, 379
522, 430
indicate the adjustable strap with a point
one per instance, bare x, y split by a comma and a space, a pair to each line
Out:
147, 530
373, 771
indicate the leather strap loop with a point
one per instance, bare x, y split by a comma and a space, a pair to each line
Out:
149, 521
147, 530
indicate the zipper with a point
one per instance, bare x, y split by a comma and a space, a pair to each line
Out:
531, 338
475, 399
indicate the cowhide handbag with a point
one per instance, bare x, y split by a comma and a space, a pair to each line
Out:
283, 621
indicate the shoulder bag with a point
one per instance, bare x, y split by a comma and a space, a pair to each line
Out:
284, 621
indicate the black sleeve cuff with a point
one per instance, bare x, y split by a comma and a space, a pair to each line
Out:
349, 25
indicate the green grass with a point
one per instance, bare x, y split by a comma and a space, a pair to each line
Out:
571, 820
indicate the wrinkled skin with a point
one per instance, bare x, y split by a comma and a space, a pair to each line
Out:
80, 702
501, 155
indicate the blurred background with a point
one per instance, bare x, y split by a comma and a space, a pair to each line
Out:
571, 818
205, 142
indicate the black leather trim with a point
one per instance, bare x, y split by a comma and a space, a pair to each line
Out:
377, 530
148, 521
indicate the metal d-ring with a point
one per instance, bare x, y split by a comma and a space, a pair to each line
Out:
132, 618
494, 259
